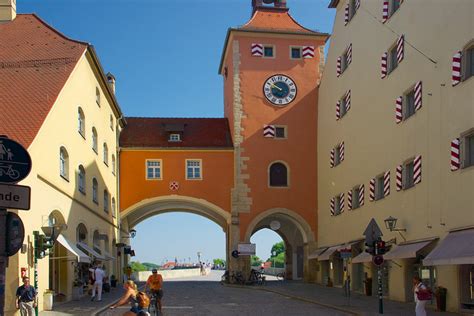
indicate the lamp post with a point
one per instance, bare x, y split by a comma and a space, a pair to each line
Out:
273, 258
199, 256
391, 224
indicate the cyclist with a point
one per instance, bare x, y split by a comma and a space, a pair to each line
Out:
155, 284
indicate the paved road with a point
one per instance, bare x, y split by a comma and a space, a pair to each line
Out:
188, 296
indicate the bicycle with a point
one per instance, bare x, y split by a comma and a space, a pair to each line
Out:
237, 278
280, 276
153, 308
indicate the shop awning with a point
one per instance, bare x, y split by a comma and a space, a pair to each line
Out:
363, 257
456, 248
349, 244
328, 253
315, 254
108, 256
81, 256
407, 250
90, 251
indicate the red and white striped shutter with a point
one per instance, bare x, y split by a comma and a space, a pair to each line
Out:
308, 51
346, 14
257, 50
332, 206
418, 95
385, 11
341, 204
348, 100
372, 189
269, 131
400, 48
361, 194
383, 73
349, 54
349, 200
398, 110
338, 110
386, 183
457, 68
332, 158
338, 70
341, 151
399, 177
357, 4
455, 154
417, 170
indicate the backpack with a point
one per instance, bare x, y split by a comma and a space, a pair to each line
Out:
143, 300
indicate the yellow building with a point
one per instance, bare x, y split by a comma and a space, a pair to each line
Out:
395, 109
58, 103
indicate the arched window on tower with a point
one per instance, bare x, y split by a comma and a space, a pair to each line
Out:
82, 180
278, 175
81, 118
63, 163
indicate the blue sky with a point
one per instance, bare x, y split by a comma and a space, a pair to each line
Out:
165, 56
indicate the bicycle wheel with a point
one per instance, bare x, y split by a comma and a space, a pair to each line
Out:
152, 309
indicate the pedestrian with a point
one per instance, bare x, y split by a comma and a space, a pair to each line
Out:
26, 298
422, 295
98, 275
139, 301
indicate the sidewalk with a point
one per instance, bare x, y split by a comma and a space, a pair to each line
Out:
358, 303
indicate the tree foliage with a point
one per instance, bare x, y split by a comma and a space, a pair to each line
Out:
219, 262
255, 261
278, 248
137, 266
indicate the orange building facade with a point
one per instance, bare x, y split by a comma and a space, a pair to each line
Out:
260, 170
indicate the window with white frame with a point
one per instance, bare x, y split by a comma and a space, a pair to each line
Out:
280, 132
268, 51
81, 124
97, 96
467, 149
113, 208
106, 201
408, 174
379, 192
392, 61
174, 137
94, 140
63, 163
296, 52
95, 191
193, 169
106, 154
113, 164
153, 169
82, 179
409, 104
355, 197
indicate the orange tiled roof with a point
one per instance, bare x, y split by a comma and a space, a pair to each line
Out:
35, 63
196, 132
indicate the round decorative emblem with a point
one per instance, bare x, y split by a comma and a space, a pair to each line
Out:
174, 185
275, 225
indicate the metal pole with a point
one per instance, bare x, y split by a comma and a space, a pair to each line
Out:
379, 277
3, 257
36, 235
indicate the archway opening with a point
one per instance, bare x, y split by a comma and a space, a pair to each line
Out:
270, 252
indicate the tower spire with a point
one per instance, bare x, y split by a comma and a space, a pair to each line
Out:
260, 3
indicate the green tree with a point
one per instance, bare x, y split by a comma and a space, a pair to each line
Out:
150, 266
220, 262
278, 248
137, 266
255, 261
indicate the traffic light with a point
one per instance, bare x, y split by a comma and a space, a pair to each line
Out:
370, 248
42, 244
380, 248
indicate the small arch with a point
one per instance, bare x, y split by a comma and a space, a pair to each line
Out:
82, 179
81, 122
81, 233
94, 139
278, 174
63, 163
95, 191
106, 154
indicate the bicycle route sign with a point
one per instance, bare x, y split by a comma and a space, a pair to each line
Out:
15, 162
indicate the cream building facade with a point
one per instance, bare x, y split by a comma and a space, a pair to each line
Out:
70, 127
391, 122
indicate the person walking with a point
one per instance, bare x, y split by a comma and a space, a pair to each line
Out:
26, 298
98, 275
421, 293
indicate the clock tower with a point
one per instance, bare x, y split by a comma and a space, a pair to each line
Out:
271, 68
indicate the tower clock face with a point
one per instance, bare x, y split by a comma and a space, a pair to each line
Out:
279, 90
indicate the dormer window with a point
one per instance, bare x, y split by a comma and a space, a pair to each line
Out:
174, 137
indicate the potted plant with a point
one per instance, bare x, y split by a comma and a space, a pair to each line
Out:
77, 289
440, 294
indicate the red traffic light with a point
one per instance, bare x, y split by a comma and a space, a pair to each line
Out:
378, 260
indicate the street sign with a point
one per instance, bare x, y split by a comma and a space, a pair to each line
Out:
15, 234
15, 196
372, 232
15, 162
377, 260
246, 249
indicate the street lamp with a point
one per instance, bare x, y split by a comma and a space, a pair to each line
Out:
391, 224
199, 256
133, 233
273, 258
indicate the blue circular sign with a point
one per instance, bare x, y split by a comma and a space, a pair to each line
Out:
15, 162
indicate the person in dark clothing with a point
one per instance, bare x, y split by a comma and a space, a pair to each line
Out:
26, 298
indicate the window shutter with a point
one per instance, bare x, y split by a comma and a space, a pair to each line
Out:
384, 65
372, 189
338, 70
455, 154
257, 50
418, 95
398, 110
361, 194
308, 51
341, 204
341, 151
348, 100
400, 48
385, 11
332, 158
357, 4
346, 14
332, 206
456, 72
417, 170
386, 183
349, 54
269, 131
349, 200
338, 110
399, 177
